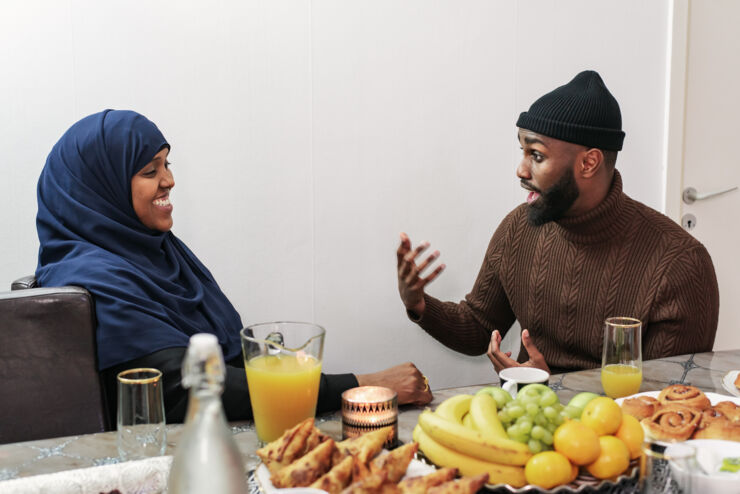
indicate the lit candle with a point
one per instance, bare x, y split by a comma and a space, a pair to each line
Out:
369, 408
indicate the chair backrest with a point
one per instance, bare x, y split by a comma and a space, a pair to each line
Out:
49, 383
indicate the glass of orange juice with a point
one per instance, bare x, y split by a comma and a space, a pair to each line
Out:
621, 363
283, 365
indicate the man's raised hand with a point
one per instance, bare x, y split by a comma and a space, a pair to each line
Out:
410, 281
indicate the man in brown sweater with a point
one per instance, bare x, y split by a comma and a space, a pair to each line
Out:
578, 251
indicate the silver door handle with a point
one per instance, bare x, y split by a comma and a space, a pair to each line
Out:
690, 194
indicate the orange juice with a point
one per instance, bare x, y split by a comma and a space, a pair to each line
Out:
620, 380
283, 390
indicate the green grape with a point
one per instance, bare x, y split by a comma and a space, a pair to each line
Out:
559, 419
522, 438
551, 427
532, 409
527, 398
515, 411
538, 432
540, 419
550, 412
503, 416
512, 431
525, 426
534, 446
547, 438
547, 398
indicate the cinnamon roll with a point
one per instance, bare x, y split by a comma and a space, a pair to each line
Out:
672, 423
721, 428
640, 407
729, 410
688, 396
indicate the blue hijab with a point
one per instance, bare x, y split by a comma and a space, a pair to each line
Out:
150, 291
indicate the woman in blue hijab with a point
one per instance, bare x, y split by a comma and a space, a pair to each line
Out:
104, 222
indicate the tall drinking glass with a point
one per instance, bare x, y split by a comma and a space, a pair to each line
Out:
621, 363
141, 422
283, 365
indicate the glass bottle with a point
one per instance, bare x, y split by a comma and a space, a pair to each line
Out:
207, 458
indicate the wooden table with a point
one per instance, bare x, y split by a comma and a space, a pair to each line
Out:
17, 460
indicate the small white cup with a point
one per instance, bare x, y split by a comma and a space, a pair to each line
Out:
515, 378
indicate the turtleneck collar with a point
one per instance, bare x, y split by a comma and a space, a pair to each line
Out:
606, 221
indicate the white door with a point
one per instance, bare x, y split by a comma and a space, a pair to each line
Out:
711, 146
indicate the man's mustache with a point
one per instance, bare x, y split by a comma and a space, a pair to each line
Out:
528, 186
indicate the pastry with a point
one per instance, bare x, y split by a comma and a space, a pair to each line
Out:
467, 485
721, 428
680, 394
288, 447
672, 423
729, 410
336, 479
421, 485
396, 462
640, 407
307, 469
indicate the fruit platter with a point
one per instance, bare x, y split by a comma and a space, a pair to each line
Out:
533, 443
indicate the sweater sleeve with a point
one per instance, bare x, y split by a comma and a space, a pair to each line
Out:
235, 397
466, 326
683, 318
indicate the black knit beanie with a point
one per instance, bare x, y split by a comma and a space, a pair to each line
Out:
582, 112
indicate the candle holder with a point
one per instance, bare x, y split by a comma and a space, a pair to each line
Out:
368, 408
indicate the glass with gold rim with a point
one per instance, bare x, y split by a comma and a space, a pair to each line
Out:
141, 419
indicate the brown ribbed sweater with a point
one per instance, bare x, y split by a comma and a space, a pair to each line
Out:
562, 279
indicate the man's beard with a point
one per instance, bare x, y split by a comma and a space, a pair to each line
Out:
555, 201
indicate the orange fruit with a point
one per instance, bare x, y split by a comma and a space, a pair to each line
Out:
548, 469
632, 434
574, 473
613, 460
578, 443
603, 415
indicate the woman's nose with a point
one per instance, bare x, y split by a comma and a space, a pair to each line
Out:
168, 180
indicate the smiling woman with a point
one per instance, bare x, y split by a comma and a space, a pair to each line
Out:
104, 223
150, 192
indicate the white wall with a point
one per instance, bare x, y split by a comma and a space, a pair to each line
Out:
307, 135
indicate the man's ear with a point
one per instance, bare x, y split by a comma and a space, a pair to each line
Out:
591, 161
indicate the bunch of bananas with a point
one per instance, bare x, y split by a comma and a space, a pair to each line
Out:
465, 432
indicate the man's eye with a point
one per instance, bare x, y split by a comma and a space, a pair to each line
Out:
537, 157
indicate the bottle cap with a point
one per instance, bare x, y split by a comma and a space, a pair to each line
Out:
203, 359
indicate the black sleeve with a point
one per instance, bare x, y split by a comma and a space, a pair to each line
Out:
236, 394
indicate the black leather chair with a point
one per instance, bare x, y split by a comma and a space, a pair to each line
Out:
49, 383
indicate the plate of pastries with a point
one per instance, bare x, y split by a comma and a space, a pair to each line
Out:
680, 412
304, 459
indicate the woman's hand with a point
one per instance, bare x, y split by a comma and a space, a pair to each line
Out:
405, 379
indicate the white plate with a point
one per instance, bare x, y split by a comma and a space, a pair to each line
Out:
415, 469
728, 382
714, 398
